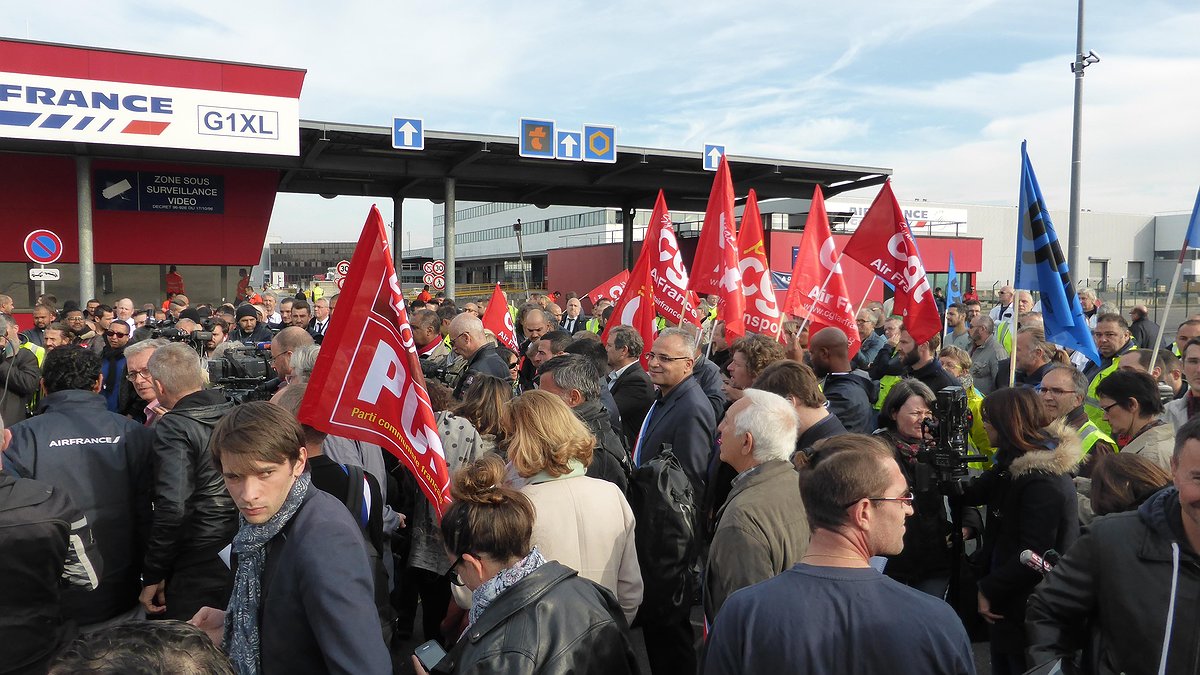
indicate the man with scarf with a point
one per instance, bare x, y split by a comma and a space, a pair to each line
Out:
112, 364
303, 593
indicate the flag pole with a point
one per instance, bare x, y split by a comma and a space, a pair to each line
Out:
1012, 357
821, 291
863, 303
1162, 324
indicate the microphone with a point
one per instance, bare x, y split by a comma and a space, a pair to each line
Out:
1035, 562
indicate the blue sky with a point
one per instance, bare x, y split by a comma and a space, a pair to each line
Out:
940, 91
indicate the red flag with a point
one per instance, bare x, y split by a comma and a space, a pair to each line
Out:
666, 268
636, 306
367, 382
610, 289
885, 245
499, 320
816, 261
762, 312
715, 267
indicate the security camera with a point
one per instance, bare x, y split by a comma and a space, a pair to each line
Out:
1092, 57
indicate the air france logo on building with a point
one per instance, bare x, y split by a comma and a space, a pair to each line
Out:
121, 113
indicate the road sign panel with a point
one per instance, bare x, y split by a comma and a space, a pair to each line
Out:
43, 246
599, 143
439, 283
428, 278
44, 274
343, 268
439, 267
340, 282
536, 139
569, 145
427, 267
712, 156
408, 133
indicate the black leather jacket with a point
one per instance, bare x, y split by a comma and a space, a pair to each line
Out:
553, 621
610, 460
194, 515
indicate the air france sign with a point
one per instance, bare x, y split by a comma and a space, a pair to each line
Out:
119, 113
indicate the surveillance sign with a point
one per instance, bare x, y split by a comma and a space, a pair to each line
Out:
159, 191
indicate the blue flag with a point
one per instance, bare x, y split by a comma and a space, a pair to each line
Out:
1193, 232
953, 293
1041, 267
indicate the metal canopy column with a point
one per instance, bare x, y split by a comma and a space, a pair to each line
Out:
83, 204
451, 267
627, 212
397, 231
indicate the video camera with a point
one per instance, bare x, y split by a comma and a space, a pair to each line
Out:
242, 370
945, 451
197, 339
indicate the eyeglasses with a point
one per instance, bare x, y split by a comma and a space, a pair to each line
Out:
1051, 390
906, 499
651, 356
453, 572
115, 333
133, 375
1110, 406
456, 338
513, 365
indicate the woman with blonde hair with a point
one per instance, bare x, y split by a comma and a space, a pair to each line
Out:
584, 523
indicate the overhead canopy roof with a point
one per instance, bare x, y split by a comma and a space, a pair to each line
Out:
346, 159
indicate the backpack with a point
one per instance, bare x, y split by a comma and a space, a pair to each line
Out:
663, 502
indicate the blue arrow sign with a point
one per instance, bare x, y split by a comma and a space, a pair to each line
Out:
536, 139
408, 133
712, 156
599, 143
569, 145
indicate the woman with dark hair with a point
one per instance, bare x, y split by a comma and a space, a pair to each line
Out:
509, 357
1031, 505
528, 614
1132, 408
925, 561
1121, 482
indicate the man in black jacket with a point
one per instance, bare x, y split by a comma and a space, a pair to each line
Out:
19, 374
194, 516
849, 394
103, 460
922, 363
628, 382
573, 378
467, 340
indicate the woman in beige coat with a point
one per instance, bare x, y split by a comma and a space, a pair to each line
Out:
584, 523
1132, 407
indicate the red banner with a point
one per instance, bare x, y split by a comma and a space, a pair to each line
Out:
499, 320
367, 382
666, 269
636, 306
762, 312
884, 244
715, 267
611, 289
816, 261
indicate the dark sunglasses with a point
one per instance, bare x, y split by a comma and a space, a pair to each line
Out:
114, 333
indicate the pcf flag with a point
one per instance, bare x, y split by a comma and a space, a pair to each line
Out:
499, 320
367, 382
809, 295
762, 312
636, 306
1041, 267
884, 244
610, 289
715, 267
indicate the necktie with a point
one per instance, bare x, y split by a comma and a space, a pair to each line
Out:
637, 448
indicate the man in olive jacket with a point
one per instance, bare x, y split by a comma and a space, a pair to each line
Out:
762, 529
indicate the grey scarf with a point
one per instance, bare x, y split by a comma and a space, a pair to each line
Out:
250, 545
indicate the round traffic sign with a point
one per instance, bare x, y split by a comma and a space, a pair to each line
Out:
439, 267
428, 278
341, 281
427, 267
343, 268
439, 283
43, 246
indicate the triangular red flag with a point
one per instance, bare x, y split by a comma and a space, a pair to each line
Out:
636, 306
715, 267
610, 289
762, 312
816, 261
367, 383
499, 320
885, 245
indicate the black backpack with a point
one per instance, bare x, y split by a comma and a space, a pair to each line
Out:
663, 502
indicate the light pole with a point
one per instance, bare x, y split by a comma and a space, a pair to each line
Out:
521, 254
1081, 61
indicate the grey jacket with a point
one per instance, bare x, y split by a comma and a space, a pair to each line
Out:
985, 362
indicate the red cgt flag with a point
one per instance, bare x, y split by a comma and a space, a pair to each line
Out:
885, 245
715, 267
499, 320
636, 306
816, 261
611, 289
367, 382
671, 297
762, 312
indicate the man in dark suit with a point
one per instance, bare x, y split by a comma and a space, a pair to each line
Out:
573, 320
628, 382
681, 417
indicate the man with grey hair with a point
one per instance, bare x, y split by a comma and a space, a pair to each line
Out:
628, 382
467, 340
762, 529
985, 354
283, 345
194, 516
269, 300
124, 311
573, 378
1091, 306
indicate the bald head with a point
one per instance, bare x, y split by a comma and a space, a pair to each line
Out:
830, 351
830, 338
466, 323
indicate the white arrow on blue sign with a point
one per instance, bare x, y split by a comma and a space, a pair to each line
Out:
570, 145
712, 156
408, 133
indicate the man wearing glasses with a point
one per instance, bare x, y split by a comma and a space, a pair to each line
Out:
112, 364
143, 406
467, 340
833, 612
1062, 391
1112, 340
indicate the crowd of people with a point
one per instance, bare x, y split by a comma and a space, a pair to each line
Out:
610, 493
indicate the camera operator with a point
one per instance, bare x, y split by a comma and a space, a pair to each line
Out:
250, 330
927, 557
216, 345
1031, 504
